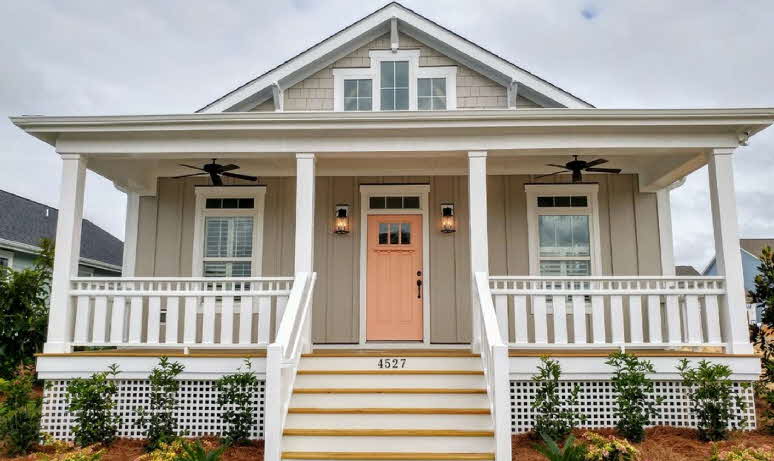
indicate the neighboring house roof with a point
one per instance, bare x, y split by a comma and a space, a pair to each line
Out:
23, 223
755, 246
378, 24
686, 270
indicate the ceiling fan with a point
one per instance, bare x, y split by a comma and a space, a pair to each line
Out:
578, 166
216, 171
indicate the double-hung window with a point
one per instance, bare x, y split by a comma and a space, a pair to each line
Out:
563, 232
228, 231
394, 79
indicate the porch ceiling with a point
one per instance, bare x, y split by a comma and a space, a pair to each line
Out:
660, 145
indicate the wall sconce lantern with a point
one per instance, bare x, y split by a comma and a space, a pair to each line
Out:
341, 217
448, 225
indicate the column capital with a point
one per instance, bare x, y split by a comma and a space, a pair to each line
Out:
477, 154
721, 151
306, 156
73, 157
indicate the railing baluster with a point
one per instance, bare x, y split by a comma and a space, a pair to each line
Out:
598, 319
172, 318
617, 320
520, 320
154, 319
712, 314
539, 314
654, 319
227, 320
635, 319
189, 319
673, 323
135, 320
264, 320
501, 310
99, 325
579, 318
245, 320
208, 320
560, 319
693, 319
118, 320
81, 335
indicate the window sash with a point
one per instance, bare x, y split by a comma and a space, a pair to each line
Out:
431, 93
394, 85
358, 94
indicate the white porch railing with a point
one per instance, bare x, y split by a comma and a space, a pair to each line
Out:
176, 312
608, 312
494, 355
294, 337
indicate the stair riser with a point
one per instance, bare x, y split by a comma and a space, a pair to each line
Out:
372, 363
388, 421
390, 381
391, 444
389, 401
355, 459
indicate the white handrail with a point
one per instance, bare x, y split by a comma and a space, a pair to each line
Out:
494, 355
282, 358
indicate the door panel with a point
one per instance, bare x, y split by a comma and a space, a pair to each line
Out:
394, 297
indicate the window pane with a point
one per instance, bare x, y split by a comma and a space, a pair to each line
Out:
545, 202
388, 74
230, 203
439, 87
565, 268
564, 236
227, 269
246, 203
243, 237
579, 201
561, 201
401, 74
424, 104
228, 237
350, 103
364, 104
212, 203
439, 103
364, 88
411, 202
350, 88
401, 99
212, 269
423, 87
376, 203
240, 269
547, 235
388, 100
382, 234
394, 234
405, 233
580, 236
395, 202
215, 237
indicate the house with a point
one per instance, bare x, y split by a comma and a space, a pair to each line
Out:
23, 223
750, 250
393, 229
686, 270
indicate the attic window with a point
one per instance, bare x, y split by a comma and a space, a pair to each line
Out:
395, 85
358, 94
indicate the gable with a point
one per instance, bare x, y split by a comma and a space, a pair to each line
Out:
480, 69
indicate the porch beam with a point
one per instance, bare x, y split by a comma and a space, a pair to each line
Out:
304, 249
67, 252
479, 240
733, 317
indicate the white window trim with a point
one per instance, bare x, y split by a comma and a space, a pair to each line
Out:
592, 210
7, 255
376, 190
415, 72
257, 193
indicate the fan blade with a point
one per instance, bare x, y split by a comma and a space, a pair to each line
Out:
604, 170
188, 175
216, 181
228, 167
564, 167
241, 176
191, 166
596, 162
549, 174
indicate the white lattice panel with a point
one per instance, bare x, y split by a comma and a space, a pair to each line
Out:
198, 413
596, 401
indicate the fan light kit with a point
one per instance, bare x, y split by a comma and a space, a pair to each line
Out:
578, 166
215, 171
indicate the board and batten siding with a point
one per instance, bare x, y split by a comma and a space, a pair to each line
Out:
628, 225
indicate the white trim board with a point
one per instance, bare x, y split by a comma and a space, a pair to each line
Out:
370, 190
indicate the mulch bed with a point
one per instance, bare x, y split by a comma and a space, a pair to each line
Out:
661, 444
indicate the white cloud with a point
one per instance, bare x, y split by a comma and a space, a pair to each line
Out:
85, 57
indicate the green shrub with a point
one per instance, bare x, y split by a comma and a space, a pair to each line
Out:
158, 419
555, 417
24, 311
600, 448
633, 390
713, 399
234, 394
743, 454
90, 453
90, 402
763, 336
19, 412
197, 452
569, 452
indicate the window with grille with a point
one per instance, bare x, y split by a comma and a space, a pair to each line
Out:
394, 85
431, 94
358, 94
228, 246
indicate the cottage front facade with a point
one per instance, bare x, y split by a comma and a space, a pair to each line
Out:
404, 254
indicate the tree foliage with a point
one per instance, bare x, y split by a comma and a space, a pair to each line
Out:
763, 336
24, 311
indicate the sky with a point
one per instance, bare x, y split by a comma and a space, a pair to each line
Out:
149, 57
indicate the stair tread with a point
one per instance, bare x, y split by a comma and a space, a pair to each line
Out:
390, 353
385, 455
405, 411
390, 372
387, 390
388, 432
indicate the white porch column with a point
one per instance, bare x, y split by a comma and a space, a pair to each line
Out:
67, 252
733, 318
130, 233
304, 249
666, 241
479, 238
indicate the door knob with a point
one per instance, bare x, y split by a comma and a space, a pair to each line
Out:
419, 289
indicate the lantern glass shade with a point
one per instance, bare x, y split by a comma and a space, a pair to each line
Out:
448, 224
341, 219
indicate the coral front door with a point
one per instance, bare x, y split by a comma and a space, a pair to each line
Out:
395, 278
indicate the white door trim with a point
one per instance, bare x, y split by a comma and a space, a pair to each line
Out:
370, 190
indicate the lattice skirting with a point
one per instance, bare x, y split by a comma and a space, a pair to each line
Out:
597, 403
198, 413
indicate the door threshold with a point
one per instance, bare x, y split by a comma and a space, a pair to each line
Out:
392, 345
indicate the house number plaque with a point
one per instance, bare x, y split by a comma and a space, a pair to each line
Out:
391, 363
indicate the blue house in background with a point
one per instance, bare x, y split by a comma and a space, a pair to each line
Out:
751, 250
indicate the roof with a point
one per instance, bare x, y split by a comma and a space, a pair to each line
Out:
755, 246
686, 271
26, 222
376, 24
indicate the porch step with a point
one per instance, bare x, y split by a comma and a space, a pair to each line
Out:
418, 407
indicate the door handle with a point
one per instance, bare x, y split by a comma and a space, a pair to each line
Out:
419, 289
